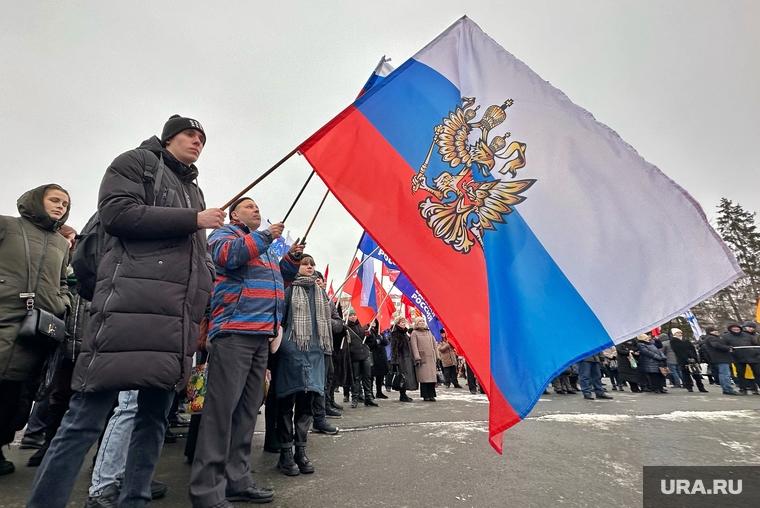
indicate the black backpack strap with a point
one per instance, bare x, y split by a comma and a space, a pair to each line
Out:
151, 177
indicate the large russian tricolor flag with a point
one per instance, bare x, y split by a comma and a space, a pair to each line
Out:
526, 224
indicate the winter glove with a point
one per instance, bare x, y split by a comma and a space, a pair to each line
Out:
417, 363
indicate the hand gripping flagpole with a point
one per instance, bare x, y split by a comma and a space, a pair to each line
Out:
259, 179
352, 272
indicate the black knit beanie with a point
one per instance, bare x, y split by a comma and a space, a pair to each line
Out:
238, 201
176, 124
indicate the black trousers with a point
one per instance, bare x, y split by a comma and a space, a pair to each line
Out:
362, 379
450, 376
294, 416
10, 400
427, 390
687, 376
656, 381
470, 379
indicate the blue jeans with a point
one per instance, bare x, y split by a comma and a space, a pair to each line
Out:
674, 374
112, 455
82, 426
724, 376
590, 377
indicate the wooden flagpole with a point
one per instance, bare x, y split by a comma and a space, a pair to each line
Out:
259, 179
303, 240
298, 196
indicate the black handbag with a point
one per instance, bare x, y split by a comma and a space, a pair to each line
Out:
399, 381
38, 324
388, 381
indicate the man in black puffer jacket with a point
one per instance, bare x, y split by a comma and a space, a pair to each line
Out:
152, 289
744, 348
688, 361
720, 355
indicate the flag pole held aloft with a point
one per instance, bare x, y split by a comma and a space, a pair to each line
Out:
298, 197
303, 240
259, 179
352, 272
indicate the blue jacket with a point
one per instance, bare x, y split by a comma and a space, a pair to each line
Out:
650, 358
296, 370
249, 288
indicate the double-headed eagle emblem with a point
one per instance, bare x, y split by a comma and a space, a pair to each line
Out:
461, 209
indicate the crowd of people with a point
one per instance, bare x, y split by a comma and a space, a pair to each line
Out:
103, 329
144, 297
646, 364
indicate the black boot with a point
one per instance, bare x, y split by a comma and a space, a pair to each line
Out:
286, 464
303, 462
169, 437
381, 395
370, 402
36, 459
334, 404
6, 466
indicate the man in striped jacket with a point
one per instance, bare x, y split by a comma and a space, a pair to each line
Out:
246, 309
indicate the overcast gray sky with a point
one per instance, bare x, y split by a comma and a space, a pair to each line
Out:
81, 82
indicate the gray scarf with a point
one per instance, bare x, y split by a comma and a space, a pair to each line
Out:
301, 313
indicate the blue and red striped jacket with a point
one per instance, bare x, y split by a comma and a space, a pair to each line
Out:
249, 288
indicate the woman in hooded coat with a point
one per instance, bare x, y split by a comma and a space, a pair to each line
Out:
43, 211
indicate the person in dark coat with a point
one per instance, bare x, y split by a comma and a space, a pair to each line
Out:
720, 356
651, 361
341, 357
628, 373
743, 347
402, 358
688, 361
153, 286
322, 406
61, 393
750, 328
671, 360
43, 211
377, 343
610, 366
300, 373
358, 336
